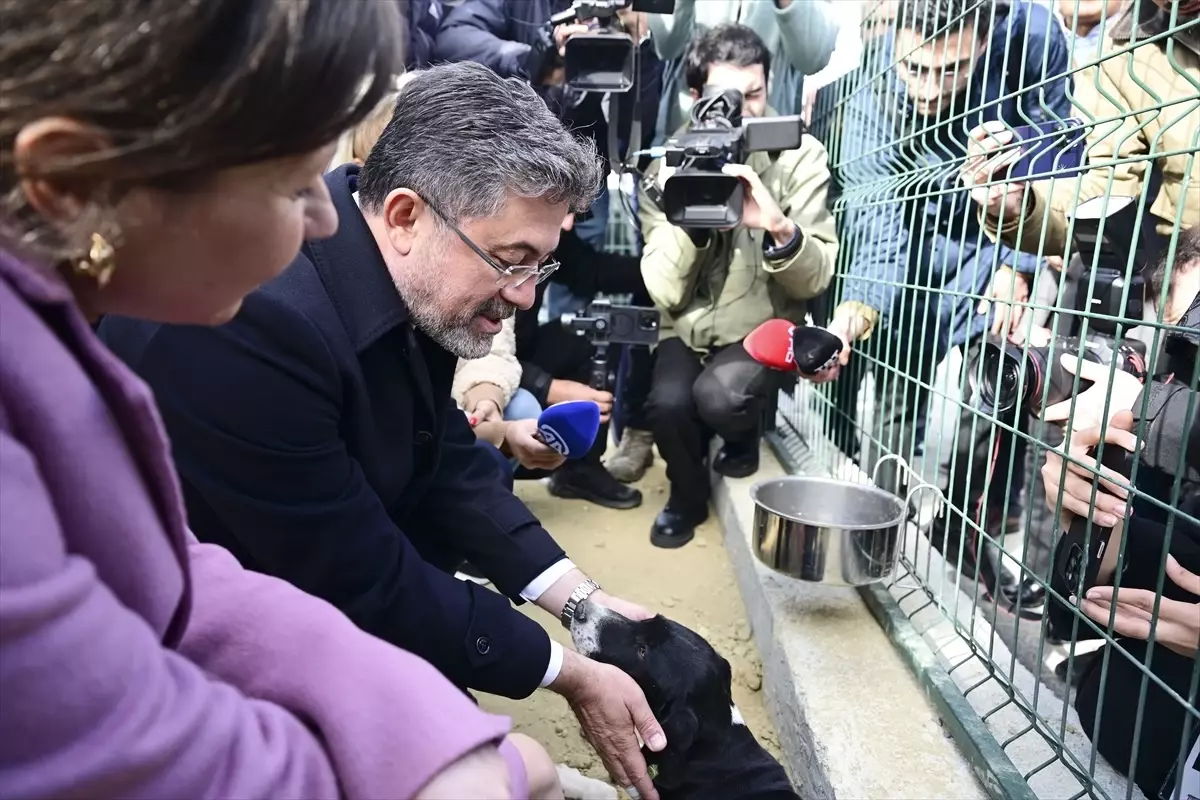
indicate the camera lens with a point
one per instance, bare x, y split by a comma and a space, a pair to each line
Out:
1000, 384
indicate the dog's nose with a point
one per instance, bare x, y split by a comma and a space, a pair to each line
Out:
581, 611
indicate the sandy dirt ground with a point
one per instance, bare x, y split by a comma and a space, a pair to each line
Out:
693, 585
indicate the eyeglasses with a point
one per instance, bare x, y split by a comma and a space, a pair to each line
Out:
510, 276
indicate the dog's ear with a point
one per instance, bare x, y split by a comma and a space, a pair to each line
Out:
681, 726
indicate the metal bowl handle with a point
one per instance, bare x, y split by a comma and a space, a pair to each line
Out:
919, 486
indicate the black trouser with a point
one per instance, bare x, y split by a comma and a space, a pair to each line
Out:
691, 399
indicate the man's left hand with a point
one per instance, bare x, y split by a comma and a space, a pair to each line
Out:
1118, 394
524, 445
759, 209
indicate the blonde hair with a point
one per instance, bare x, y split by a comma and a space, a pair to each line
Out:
356, 143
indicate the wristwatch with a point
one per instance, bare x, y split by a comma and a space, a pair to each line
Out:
582, 592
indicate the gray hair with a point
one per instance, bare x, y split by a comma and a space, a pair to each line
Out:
464, 138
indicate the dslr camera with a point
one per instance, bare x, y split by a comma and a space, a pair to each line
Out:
699, 194
1034, 377
601, 60
1106, 230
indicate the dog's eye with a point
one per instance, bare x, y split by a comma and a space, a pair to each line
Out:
641, 651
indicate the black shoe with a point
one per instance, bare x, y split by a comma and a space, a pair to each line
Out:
580, 480
737, 459
1029, 596
675, 527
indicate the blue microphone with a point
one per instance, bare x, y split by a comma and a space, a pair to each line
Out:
570, 427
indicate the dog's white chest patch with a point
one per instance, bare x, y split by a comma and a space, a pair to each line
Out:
738, 719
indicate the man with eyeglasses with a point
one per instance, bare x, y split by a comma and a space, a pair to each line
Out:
316, 436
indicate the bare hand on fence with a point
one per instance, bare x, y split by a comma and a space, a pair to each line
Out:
1177, 624
985, 163
1008, 288
1074, 478
1114, 388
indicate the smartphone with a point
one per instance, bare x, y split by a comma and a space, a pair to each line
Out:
1055, 148
1078, 556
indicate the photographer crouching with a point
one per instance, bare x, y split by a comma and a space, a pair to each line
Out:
721, 257
1118, 540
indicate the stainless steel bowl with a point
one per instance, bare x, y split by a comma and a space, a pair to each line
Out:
828, 531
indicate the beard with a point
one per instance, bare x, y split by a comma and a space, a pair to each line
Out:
453, 332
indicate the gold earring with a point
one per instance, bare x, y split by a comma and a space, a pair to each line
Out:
100, 262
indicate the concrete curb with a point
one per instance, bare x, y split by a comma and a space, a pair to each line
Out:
853, 721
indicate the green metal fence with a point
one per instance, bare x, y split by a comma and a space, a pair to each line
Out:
913, 387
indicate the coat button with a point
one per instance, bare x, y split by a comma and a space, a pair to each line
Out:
483, 645
424, 437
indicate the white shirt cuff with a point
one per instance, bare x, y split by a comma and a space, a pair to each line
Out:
555, 665
538, 586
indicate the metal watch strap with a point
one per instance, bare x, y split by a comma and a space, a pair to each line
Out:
582, 592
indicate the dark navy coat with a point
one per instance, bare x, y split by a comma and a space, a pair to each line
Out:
316, 439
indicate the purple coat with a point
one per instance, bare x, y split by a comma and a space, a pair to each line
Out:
135, 662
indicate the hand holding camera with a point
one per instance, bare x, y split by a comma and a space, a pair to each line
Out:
1115, 388
759, 209
1177, 624
1074, 478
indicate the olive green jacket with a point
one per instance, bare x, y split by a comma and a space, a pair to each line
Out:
715, 295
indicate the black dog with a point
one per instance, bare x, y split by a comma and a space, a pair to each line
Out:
710, 752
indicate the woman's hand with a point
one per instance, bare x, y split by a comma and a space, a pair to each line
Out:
523, 444
1178, 623
482, 773
1074, 480
1119, 394
484, 402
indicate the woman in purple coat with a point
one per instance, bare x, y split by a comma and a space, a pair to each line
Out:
161, 159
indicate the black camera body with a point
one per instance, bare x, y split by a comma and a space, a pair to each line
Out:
699, 194
1004, 363
616, 324
602, 60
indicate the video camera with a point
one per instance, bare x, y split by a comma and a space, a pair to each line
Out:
605, 324
699, 194
601, 60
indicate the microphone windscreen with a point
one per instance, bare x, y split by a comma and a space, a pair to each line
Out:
814, 349
570, 427
770, 344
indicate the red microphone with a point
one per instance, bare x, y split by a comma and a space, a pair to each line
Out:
788, 347
770, 344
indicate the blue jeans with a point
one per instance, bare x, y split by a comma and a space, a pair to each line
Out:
523, 405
